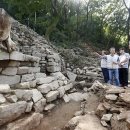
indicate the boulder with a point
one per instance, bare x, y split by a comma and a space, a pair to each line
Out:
12, 111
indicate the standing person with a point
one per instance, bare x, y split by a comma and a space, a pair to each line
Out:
104, 67
113, 67
123, 67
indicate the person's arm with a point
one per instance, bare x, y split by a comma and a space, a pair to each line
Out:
126, 59
100, 56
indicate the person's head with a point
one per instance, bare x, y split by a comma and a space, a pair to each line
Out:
112, 50
5, 23
122, 50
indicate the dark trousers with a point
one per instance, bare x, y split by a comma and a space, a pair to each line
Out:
105, 74
123, 76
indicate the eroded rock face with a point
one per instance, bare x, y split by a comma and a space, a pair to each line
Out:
12, 111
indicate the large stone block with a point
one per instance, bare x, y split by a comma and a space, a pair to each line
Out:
36, 95
52, 95
45, 88
46, 80
25, 95
23, 70
12, 111
9, 71
5, 88
39, 106
2, 99
68, 86
53, 69
58, 75
34, 70
61, 91
17, 56
14, 64
9, 79
4, 56
54, 85
27, 77
40, 75
32, 58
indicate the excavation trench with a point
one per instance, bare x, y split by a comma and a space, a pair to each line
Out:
60, 116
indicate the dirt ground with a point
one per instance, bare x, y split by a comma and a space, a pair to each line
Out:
58, 118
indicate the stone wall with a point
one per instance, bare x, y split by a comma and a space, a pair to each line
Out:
30, 43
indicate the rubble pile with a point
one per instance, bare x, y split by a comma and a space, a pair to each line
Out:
113, 110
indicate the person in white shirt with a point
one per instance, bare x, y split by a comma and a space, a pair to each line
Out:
123, 67
104, 67
112, 66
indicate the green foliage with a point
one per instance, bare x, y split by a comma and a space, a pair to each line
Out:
101, 22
